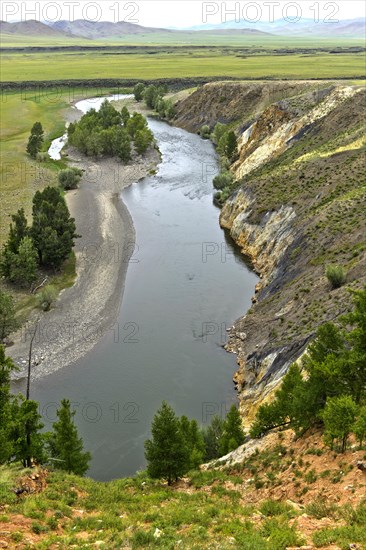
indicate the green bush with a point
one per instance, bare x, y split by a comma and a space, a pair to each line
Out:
225, 179
205, 132
336, 275
69, 178
46, 297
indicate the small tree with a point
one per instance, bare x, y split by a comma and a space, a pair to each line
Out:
167, 453
359, 427
26, 433
35, 141
151, 95
6, 442
125, 115
138, 91
65, 445
69, 178
218, 132
212, 436
8, 322
231, 145
194, 441
233, 434
143, 138
23, 270
339, 418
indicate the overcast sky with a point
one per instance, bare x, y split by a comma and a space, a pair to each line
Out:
180, 13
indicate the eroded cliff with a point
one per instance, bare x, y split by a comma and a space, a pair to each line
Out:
299, 206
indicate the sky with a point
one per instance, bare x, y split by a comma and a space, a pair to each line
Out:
180, 13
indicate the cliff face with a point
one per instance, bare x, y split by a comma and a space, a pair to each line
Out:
299, 206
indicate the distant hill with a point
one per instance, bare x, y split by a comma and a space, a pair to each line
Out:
305, 27
102, 29
29, 28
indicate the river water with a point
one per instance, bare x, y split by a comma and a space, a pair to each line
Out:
186, 283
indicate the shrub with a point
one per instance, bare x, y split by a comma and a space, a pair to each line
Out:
69, 178
46, 297
336, 275
205, 132
225, 179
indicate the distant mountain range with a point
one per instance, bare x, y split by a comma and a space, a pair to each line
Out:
105, 29
303, 27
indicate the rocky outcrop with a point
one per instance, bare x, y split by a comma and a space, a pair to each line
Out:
299, 206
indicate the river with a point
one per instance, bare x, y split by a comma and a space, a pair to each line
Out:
186, 283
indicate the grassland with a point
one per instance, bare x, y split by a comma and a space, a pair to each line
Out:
281, 497
178, 63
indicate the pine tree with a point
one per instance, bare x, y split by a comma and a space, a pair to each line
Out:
65, 444
6, 442
212, 436
231, 145
125, 115
167, 453
233, 434
26, 432
139, 91
194, 441
339, 418
23, 269
35, 141
17, 231
8, 322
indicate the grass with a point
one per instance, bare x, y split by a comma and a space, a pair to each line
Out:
178, 63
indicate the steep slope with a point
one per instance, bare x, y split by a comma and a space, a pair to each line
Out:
299, 206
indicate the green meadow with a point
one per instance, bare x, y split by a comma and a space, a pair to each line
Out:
178, 63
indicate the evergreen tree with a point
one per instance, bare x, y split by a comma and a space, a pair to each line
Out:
233, 434
8, 322
26, 432
65, 445
35, 141
167, 453
6, 442
231, 145
194, 441
151, 95
143, 138
125, 115
139, 91
17, 231
23, 268
53, 230
212, 436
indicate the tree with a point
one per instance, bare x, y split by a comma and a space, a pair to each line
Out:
125, 115
218, 132
151, 95
65, 445
339, 417
26, 432
233, 434
136, 122
194, 441
6, 443
167, 453
35, 141
8, 322
53, 230
212, 436
359, 427
24, 266
124, 148
138, 91
205, 132
231, 145
17, 231
143, 138
69, 178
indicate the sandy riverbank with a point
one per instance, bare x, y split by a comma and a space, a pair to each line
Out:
86, 311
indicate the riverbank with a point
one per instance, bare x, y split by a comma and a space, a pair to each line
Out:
86, 311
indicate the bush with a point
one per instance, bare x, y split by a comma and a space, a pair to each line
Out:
46, 297
205, 132
225, 179
336, 275
69, 178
